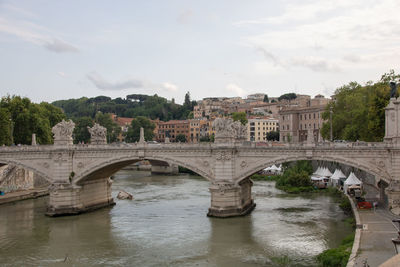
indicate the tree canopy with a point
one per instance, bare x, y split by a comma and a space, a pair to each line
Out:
288, 96
20, 118
240, 116
133, 106
133, 133
358, 112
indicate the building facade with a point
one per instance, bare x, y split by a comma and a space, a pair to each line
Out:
296, 120
258, 127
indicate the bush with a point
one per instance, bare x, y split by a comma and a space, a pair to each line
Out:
345, 205
337, 257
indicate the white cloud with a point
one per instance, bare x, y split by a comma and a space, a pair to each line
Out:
102, 84
128, 83
233, 88
35, 34
185, 16
170, 87
348, 32
62, 74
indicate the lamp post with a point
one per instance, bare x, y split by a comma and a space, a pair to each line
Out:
330, 116
12, 131
396, 241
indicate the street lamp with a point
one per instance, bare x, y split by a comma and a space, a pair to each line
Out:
396, 241
330, 114
12, 131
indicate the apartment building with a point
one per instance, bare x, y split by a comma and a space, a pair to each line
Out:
296, 120
258, 127
171, 129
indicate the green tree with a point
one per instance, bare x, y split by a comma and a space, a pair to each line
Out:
133, 133
240, 116
358, 111
288, 96
273, 136
5, 127
180, 138
28, 118
81, 133
266, 100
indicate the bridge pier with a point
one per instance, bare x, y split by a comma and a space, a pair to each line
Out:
230, 200
67, 199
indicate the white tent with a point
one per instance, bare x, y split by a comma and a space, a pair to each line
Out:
351, 180
336, 176
317, 172
326, 173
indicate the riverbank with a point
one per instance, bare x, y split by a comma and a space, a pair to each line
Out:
22, 195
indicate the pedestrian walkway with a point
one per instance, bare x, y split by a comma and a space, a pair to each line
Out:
25, 194
376, 237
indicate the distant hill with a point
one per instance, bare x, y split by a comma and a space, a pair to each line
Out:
134, 105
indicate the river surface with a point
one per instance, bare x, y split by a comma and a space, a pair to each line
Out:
166, 225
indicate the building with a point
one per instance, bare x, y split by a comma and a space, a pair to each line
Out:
171, 129
196, 125
296, 120
258, 127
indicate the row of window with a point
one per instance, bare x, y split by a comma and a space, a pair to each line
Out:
304, 116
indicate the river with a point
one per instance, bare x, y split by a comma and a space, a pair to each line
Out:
166, 225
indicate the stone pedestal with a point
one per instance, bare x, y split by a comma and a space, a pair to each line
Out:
229, 200
392, 121
393, 193
66, 199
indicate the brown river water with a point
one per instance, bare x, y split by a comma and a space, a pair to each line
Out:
166, 225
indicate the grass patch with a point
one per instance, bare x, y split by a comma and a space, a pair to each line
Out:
337, 257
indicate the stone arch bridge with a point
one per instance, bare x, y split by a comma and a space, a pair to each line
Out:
79, 174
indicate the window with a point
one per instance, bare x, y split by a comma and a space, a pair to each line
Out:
309, 116
314, 117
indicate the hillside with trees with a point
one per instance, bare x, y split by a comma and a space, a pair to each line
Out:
132, 106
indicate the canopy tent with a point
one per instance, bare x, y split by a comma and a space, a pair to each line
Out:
351, 180
317, 178
336, 176
273, 169
318, 172
326, 173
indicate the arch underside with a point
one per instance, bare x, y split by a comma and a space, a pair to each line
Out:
106, 169
27, 167
374, 170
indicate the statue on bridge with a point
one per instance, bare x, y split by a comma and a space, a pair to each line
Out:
63, 132
393, 89
98, 134
227, 130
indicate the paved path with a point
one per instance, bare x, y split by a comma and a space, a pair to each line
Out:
25, 194
376, 237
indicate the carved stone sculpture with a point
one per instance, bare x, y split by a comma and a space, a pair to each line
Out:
98, 134
393, 89
63, 132
227, 130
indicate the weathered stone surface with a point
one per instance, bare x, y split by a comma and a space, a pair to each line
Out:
63, 133
98, 134
124, 195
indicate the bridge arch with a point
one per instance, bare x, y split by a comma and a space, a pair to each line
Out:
381, 174
106, 168
27, 167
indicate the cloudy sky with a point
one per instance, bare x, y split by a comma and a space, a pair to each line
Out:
51, 50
